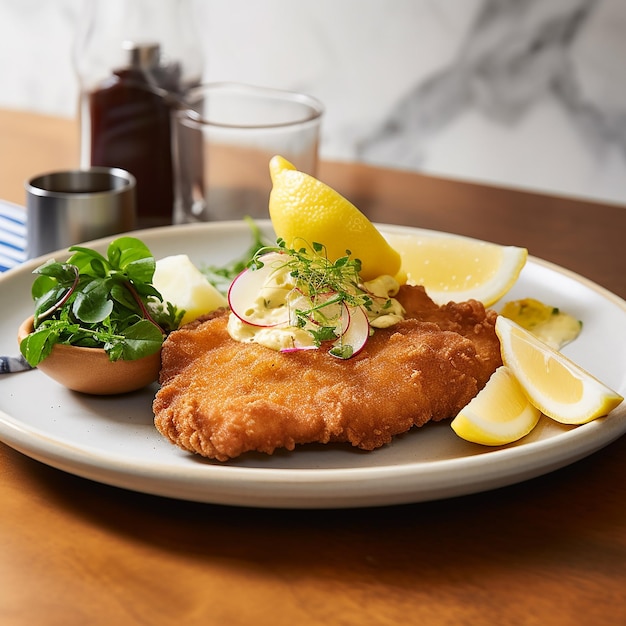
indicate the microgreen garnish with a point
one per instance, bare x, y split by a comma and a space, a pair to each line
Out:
326, 282
100, 302
342, 352
326, 292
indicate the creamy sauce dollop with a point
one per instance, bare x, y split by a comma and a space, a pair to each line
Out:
548, 323
280, 292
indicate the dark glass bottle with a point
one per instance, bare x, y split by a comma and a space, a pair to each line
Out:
132, 71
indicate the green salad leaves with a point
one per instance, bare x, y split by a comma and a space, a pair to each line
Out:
100, 302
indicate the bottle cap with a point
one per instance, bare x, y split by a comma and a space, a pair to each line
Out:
142, 55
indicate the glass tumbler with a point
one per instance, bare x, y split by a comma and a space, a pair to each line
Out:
224, 137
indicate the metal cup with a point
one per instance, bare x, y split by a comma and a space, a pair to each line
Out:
69, 207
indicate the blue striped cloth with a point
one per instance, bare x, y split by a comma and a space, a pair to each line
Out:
12, 253
12, 235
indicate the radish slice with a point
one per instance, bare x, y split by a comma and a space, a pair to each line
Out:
355, 335
331, 312
298, 348
245, 298
297, 302
345, 321
245, 289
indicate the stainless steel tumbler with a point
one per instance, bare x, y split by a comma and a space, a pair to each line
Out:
69, 207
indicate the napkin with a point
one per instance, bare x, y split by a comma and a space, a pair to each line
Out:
12, 235
12, 253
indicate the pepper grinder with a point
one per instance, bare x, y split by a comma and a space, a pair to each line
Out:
135, 60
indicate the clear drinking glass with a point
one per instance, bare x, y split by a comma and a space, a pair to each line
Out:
224, 138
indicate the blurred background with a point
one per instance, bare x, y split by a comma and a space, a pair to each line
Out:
520, 93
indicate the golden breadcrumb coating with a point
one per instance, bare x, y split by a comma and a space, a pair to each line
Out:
221, 398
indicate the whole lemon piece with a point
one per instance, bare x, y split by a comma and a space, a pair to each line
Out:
304, 211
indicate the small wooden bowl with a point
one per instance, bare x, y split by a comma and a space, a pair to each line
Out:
89, 370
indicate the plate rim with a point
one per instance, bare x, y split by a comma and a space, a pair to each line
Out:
113, 469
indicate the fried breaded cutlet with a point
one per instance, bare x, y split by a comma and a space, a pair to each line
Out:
221, 398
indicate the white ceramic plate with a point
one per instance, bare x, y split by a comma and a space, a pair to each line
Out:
112, 439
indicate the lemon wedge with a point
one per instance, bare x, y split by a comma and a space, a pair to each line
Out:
499, 414
456, 268
304, 211
557, 386
180, 282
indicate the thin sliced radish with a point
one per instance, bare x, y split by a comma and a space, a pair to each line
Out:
351, 323
331, 312
299, 348
297, 301
245, 289
356, 333
344, 321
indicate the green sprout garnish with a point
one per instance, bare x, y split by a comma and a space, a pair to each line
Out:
326, 286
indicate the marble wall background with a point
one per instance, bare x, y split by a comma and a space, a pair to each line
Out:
521, 93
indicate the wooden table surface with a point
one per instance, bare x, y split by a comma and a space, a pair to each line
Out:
548, 551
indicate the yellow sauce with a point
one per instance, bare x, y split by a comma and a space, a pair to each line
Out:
280, 292
384, 288
548, 323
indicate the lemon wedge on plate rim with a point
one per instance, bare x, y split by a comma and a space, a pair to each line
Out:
457, 268
556, 385
535, 379
500, 413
